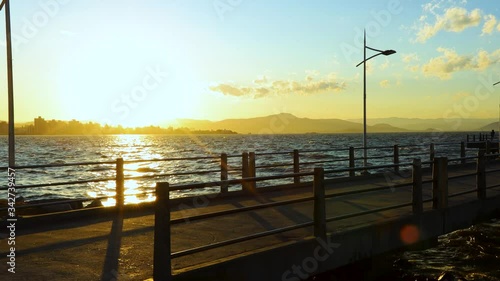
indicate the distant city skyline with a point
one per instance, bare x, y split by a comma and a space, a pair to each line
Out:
283, 123
41, 126
143, 63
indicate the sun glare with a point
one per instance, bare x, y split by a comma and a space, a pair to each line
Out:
136, 190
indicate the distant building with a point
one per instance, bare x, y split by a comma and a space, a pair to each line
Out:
40, 126
4, 128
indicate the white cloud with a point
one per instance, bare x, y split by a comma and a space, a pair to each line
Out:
449, 62
455, 19
489, 24
385, 84
408, 58
228, 90
260, 80
309, 86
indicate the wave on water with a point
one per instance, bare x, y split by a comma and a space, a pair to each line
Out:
146, 170
473, 253
35, 171
98, 168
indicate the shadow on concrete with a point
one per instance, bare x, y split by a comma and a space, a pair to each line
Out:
361, 208
53, 221
79, 242
111, 261
293, 215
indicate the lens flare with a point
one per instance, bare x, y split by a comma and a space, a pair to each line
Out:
409, 234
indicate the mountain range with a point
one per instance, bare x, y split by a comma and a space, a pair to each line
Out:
439, 124
285, 123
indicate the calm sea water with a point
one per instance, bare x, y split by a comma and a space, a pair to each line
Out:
473, 253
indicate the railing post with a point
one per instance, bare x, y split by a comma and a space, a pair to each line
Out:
162, 262
251, 171
462, 152
351, 161
440, 183
488, 147
223, 172
432, 154
396, 159
120, 184
319, 203
244, 171
296, 166
467, 137
417, 204
481, 175
473, 138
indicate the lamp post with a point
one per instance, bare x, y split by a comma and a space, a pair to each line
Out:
498, 117
10, 82
379, 52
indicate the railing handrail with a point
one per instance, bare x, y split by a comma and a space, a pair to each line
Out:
438, 174
237, 181
55, 165
52, 165
52, 203
246, 176
228, 182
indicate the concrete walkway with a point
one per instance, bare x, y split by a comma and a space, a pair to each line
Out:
120, 246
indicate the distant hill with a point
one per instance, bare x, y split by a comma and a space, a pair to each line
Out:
489, 127
438, 124
285, 123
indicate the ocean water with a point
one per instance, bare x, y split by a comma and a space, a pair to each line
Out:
473, 253
317, 149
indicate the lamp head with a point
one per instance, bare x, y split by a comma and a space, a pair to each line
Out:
388, 52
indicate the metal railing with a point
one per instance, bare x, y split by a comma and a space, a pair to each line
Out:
338, 161
440, 179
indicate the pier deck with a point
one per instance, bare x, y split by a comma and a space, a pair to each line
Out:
120, 246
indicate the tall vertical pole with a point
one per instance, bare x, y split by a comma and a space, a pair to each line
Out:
364, 102
498, 117
10, 83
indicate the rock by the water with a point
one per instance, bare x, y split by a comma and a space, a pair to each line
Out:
95, 203
53, 205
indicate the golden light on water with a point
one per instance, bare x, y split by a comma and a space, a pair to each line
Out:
125, 145
133, 195
131, 148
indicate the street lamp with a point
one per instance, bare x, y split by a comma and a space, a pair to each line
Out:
498, 119
379, 52
10, 83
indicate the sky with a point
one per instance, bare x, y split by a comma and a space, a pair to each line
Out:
138, 63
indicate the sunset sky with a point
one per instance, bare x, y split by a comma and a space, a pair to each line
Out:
136, 63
